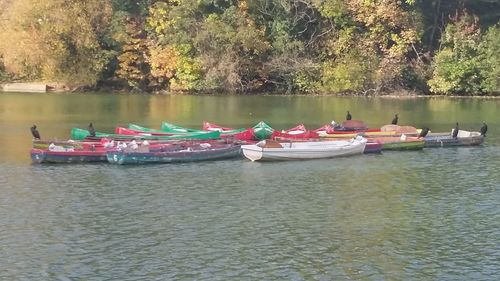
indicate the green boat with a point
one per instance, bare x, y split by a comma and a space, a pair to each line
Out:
171, 128
149, 130
80, 134
404, 145
262, 131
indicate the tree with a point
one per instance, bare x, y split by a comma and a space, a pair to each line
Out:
133, 59
490, 60
56, 40
457, 64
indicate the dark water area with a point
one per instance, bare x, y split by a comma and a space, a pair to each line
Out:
417, 215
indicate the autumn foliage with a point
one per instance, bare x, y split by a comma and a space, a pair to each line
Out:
307, 46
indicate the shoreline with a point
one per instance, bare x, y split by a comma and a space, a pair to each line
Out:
405, 94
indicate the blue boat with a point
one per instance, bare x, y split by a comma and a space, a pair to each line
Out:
175, 153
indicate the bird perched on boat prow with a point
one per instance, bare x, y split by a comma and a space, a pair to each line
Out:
395, 120
484, 129
35, 132
424, 132
91, 130
455, 131
348, 116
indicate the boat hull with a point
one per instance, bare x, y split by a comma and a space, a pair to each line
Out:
40, 156
304, 150
404, 145
373, 147
445, 141
176, 156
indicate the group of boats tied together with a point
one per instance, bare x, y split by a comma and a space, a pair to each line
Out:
171, 143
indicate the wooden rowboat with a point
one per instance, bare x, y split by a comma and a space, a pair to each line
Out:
273, 150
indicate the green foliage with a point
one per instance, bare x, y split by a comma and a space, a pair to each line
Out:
188, 71
457, 65
490, 60
348, 74
262, 45
55, 41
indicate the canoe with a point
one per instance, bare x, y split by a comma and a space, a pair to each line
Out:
80, 134
464, 138
274, 150
324, 129
297, 132
150, 132
227, 132
262, 131
175, 153
67, 156
223, 130
400, 143
171, 128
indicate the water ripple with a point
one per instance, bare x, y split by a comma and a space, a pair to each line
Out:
422, 215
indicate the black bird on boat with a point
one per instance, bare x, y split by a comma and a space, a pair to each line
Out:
455, 131
35, 132
395, 120
348, 116
91, 130
424, 132
484, 129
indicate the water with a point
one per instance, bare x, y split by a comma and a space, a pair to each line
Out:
424, 215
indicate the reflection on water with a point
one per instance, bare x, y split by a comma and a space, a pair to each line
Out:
424, 215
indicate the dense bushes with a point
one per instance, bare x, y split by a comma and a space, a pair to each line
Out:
332, 46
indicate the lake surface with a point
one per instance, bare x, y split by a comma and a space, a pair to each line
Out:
421, 215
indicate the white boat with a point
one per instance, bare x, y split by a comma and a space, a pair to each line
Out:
273, 150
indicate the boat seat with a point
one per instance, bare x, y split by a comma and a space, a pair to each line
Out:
271, 144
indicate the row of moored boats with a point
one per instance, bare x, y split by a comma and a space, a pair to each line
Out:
171, 143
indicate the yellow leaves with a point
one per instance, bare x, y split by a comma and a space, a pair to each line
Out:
163, 62
159, 18
59, 39
243, 6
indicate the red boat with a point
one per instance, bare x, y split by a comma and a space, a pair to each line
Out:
297, 132
226, 132
64, 155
